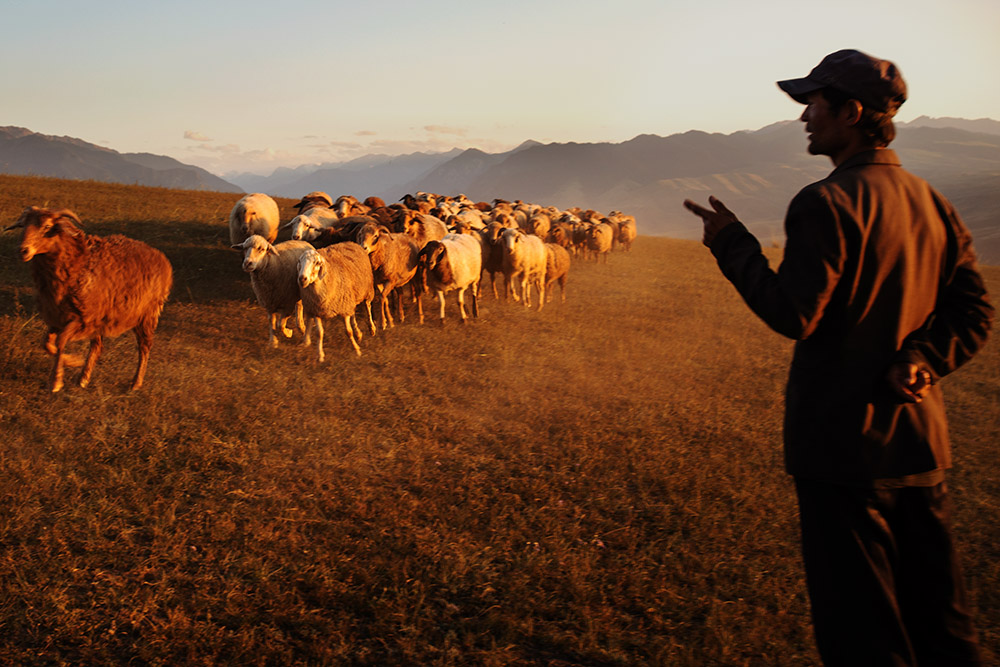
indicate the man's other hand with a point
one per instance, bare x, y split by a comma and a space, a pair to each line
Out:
909, 381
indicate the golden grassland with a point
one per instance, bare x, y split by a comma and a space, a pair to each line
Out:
598, 483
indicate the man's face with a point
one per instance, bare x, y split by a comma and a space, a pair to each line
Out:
828, 130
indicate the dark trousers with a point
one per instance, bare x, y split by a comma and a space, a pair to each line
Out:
884, 579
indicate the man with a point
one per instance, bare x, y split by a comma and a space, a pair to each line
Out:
880, 288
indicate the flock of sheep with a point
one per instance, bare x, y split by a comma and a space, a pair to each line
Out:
343, 254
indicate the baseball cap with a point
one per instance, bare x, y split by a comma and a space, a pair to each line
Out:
876, 83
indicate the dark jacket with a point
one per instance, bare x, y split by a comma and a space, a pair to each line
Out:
878, 268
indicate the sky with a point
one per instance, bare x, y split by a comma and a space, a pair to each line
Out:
251, 86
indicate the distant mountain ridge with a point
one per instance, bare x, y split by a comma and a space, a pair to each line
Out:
30, 153
755, 172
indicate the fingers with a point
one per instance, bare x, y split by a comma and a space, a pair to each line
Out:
909, 382
720, 207
695, 208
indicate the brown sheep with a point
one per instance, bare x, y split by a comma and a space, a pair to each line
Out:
394, 263
556, 268
90, 287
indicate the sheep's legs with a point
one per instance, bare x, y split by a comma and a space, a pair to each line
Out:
440, 296
318, 325
540, 286
461, 304
299, 317
96, 346
475, 301
69, 360
307, 338
286, 331
144, 340
371, 322
351, 324
58, 368
272, 325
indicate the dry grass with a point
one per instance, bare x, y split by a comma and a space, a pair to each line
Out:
596, 484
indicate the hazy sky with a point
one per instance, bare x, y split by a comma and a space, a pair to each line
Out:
251, 85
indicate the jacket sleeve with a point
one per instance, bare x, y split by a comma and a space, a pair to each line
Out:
791, 300
962, 317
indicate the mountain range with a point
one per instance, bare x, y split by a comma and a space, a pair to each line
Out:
25, 152
755, 173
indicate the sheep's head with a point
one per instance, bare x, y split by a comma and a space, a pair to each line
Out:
429, 258
255, 251
304, 228
511, 239
311, 268
368, 236
42, 228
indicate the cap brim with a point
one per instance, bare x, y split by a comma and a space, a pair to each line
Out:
799, 89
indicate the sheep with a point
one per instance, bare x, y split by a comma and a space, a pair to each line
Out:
346, 230
524, 257
413, 204
273, 273
539, 224
493, 255
315, 199
347, 205
561, 234
254, 214
333, 282
626, 229
556, 268
394, 263
90, 287
600, 238
308, 225
420, 226
452, 264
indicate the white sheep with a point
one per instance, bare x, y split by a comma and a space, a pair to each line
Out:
600, 238
254, 214
524, 259
452, 264
274, 277
333, 282
309, 225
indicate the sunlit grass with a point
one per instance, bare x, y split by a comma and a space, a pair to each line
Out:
597, 483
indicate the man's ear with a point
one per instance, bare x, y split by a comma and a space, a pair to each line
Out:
852, 111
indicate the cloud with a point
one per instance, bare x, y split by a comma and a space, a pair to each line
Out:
195, 136
365, 133
445, 129
228, 149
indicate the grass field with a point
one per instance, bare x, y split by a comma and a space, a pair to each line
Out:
598, 483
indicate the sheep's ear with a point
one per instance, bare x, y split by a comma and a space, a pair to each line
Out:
237, 246
271, 250
285, 226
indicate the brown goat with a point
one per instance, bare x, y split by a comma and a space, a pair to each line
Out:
90, 287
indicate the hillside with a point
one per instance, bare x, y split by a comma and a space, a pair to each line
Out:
755, 173
29, 153
597, 483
